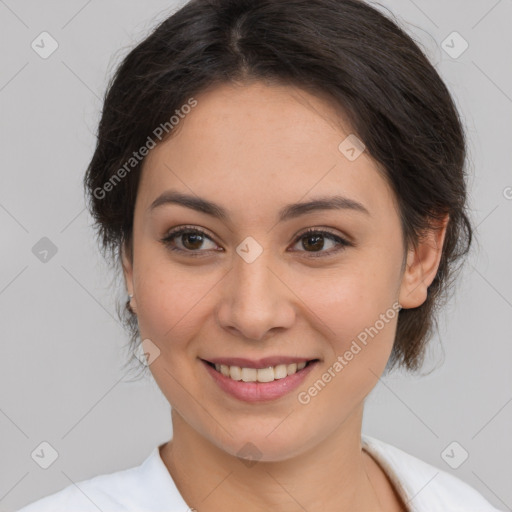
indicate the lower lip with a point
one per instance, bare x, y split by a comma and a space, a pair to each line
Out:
259, 391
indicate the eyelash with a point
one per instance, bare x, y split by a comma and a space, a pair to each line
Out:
343, 243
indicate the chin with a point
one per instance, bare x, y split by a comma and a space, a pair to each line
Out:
265, 445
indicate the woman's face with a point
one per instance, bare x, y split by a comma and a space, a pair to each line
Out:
254, 286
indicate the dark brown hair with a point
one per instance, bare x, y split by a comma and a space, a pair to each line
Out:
346, 50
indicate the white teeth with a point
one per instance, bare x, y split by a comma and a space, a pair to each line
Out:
235, 372
280, 371
268, 374
249, 374
292, 368
265, 374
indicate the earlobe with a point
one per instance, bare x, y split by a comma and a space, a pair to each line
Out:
421, 267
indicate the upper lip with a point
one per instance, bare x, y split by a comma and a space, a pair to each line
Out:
258, 363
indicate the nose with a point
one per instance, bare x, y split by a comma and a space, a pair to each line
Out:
255, 302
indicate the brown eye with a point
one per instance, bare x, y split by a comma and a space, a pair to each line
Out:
314, 240
192, 241
187, 240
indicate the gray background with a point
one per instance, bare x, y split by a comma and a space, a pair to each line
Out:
61, 376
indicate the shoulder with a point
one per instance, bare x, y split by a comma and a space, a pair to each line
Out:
103, 492
144, 488
425, 487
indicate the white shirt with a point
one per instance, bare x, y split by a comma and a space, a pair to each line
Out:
149, 487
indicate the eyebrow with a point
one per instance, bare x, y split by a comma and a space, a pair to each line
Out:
288, 212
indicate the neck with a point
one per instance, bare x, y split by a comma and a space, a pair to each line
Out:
331, 476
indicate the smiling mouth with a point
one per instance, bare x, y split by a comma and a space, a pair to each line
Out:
268, 374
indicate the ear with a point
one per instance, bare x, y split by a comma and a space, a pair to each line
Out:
421, 267
126, 259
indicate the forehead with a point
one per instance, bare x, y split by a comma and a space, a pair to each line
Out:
255, 147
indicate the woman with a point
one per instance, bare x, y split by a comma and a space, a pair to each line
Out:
283, 187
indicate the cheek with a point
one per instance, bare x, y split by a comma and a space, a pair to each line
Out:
354, 298
169, 300
359, 315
